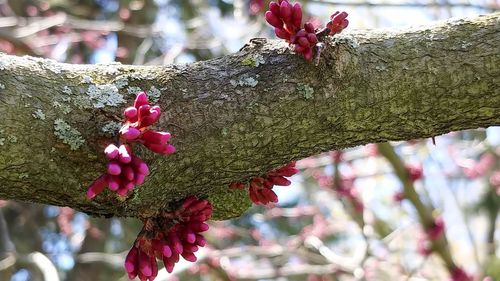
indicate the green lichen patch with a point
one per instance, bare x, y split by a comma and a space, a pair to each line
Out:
104, 95
245, 82
111, 128
253, 61
68, 134
38, 114
306, 91
154, 94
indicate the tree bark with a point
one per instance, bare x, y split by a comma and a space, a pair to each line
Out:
238, 116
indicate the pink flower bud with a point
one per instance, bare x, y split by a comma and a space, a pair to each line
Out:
111, 151
286, 11
97, 186
140, 100
274, 8
129, 133
189, 257
124, 153
273, 20
166, 251
130, 113
156, 137
269, 195
309, 27
297, 14
131, 261
114, 183
114, 168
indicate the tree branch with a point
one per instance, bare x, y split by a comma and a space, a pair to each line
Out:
241, 115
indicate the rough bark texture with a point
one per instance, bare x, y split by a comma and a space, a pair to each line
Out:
241, 115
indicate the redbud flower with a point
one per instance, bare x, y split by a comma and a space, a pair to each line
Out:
169, 237
338, 22
260, 188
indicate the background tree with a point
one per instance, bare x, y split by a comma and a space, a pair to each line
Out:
347, 230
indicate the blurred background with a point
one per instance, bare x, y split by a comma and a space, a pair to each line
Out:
346, 216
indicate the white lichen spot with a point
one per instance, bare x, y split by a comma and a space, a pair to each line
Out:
121, 82
87, 79
306, 91
140, 76
104, 95
38, 114
23, 176
2, 86
133, 90
245, 82
154, 94
111, 127
63, 107
67, 90
2, 139
67, 134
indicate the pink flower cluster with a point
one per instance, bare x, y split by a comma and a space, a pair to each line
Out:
168, 237
125, 170
287, 22
415, 172
260, 190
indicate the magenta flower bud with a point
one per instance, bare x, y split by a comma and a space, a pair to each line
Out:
155, 111
286, 11
128, 186
191, 248
200, 240
270, 195
122, 191
302, 41
175, 243
124, 153
140, 166
189, 257
143, 111
189, 236
128, 173
297, 14
311, 37
139, 179
198, 227
309, 27
273, 20
111, 151
308, 55
131, 261
274, 8
279, 180
130, 133
97, 187
156, 137
114, 183
169, 265
166, 251
130, 113
114, 168
145, 264
140, 100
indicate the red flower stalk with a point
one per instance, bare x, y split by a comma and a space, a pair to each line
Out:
287, 22
260, 188
125, 170
169, 237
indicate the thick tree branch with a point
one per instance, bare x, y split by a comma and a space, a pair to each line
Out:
241, 115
